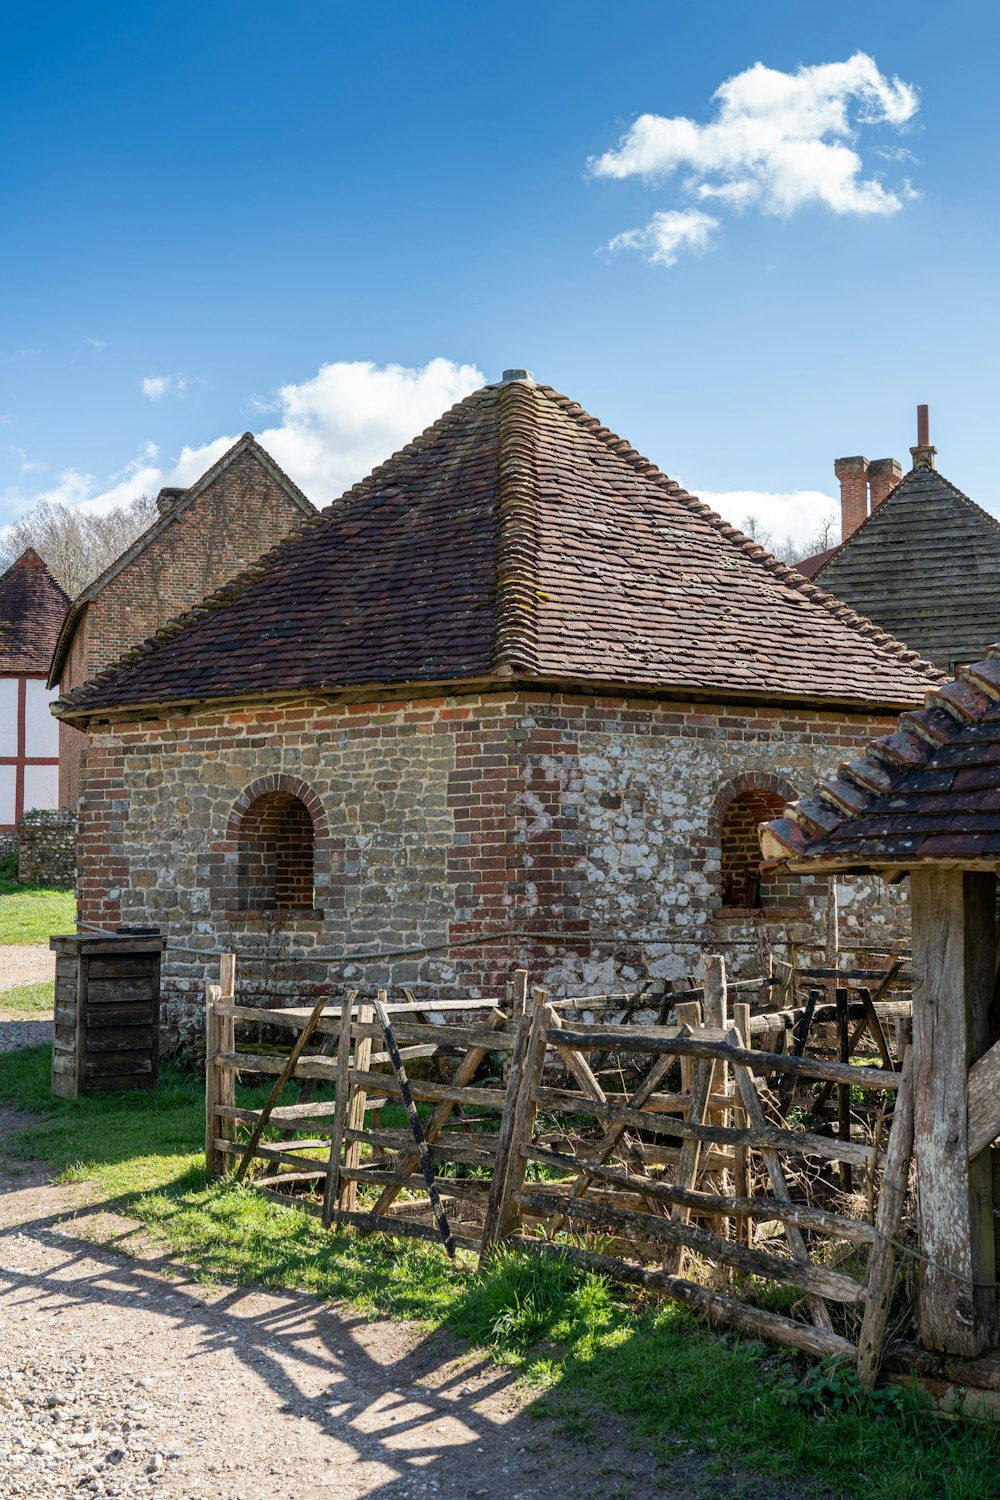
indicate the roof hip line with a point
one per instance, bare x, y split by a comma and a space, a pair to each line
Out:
516, 637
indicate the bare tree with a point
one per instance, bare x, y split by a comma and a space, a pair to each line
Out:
77, 545
790, 551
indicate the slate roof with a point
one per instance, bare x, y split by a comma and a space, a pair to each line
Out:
930, 790
925, 565
182, 499
32, 607
516, 538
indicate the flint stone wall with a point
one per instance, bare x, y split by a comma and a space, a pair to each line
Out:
582, 835
46, 848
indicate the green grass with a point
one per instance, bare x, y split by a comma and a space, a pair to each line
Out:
32, 913
28, 998
587, 1345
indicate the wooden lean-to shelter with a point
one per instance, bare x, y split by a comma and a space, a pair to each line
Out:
924, 802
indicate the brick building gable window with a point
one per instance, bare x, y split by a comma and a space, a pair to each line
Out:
275, 854
744, 886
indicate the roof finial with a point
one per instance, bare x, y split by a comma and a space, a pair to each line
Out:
512, 375
923, 454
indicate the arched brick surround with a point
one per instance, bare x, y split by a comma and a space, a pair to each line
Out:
283, 810
739, 806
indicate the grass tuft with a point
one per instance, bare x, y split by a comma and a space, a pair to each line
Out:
32, 913
30, 998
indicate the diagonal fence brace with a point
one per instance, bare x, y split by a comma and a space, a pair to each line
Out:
414, 1122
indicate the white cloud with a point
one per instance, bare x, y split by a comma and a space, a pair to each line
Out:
333, 429
97, 343
779, 141
158, 386
793, 516
666, 234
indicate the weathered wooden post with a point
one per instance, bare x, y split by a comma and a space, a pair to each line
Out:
922, 803
954, 925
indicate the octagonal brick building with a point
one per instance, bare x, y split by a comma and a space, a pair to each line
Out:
516, 697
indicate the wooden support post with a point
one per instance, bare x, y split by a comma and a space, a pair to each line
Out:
227, 976
892, 1199
843, 1091
520, 997
357, 1101
954, 914
687, 1167
331, 1188
518, 1121
688, 1013
741, 1155
220, 1083
717, 1014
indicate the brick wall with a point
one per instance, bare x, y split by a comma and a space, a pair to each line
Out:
595, 825
235, 519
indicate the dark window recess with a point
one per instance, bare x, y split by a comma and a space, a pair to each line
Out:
743, 883
276, 870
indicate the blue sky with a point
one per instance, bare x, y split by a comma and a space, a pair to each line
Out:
213, 202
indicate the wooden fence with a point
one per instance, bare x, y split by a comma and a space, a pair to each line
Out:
701, 1154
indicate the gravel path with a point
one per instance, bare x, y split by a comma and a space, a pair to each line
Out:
121, 1377
15, 1032
25, 963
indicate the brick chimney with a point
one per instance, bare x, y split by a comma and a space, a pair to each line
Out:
168, 498
853, 476
923, 454
883, 475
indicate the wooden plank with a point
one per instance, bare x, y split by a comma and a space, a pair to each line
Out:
331, 1187
815, 1279
819, 1220
797, 1142
747, 1087
984, 1101
431, 1093
120, 991
279, 1087
954, 917
357, 1100
888, 1219
463, 1074
117, 1064
118, 1039
667, 1040
119, 1015
121, 971
717, 1308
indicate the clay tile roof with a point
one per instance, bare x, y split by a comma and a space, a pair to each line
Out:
32, 606
517, 538
931, 790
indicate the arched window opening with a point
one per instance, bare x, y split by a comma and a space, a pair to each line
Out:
276, 858
743, 882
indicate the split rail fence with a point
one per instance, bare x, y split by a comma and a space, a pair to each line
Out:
717, 1147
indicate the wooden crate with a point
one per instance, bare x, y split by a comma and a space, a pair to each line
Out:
107, 1013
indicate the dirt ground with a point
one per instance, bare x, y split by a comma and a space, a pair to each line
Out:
25, 963
120, 1376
